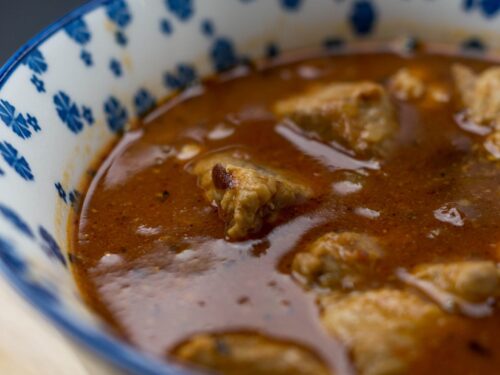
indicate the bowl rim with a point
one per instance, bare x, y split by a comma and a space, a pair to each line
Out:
104, 345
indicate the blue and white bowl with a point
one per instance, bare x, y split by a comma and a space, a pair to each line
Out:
75, 87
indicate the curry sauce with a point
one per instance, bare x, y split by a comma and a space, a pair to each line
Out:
155, 253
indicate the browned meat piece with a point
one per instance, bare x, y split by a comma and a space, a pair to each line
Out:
338, 260
414, 84
474, 281
249, 354
359, 114
467, 287
246, 195
480, 94
386, 330
492, 144
407, 84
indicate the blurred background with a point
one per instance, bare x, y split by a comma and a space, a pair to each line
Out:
20, 20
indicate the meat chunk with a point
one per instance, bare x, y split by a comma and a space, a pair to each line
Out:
480, 94
467, 287
249, 354
359, 115
407, 84
474, 281
415, 84
492, 144
247, 195
386, 330
338, 260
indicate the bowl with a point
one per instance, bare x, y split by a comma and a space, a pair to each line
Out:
74, 88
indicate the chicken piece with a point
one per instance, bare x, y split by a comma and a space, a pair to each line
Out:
467, 287
492, 144
338, 260
247, 195
359, 114
407, 84
437, 93
386, 330
480, 94
249, 354
414, 84
474, 281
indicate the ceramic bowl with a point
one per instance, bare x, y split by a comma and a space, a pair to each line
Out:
75, 87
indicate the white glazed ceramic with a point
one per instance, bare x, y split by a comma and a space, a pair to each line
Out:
74, 88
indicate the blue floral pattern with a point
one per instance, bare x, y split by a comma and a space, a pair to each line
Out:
291, 4
86, 57
116, 67
166, 26
116, 115
183, 9
363, 16
118, 12
38, 83
333, 43
68, 112
16, 161
42, 292
60, 191
223, 54
20, 125
489, 8
87, 114
36, 61
78, 31
185, 76
74, 197
121, 38
473, 45
143, 102
33, 122
13, 218
272, 50
16, 121
10, 258
207, 28
50, 246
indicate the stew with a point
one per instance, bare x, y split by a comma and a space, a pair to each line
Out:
314, 214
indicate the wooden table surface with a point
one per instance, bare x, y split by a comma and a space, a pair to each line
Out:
29, 345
